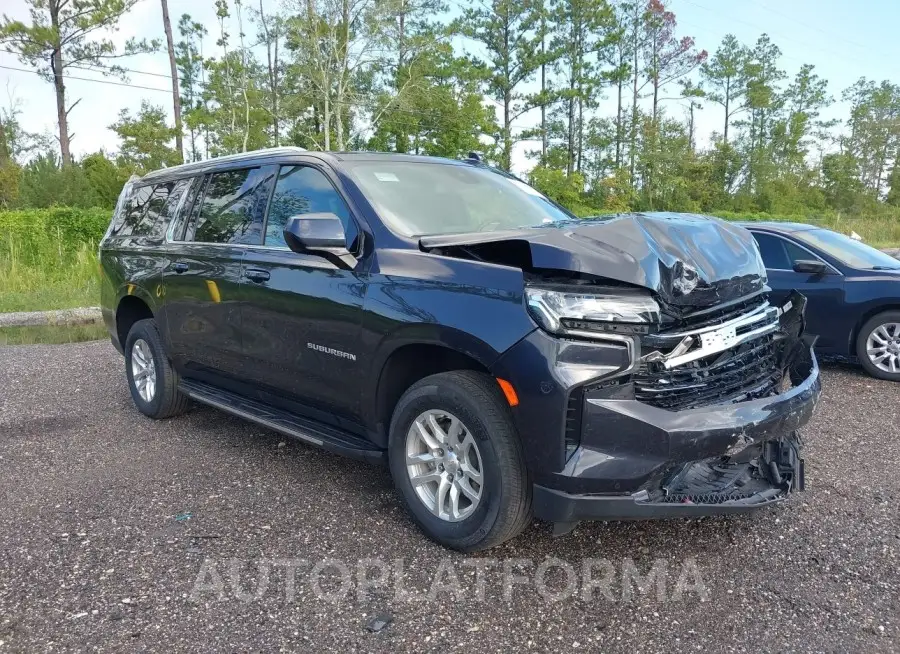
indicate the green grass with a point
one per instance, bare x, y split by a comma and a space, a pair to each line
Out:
51, 334
48, 277
879, 232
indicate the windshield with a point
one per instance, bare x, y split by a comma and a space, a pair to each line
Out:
418, 199
847, 250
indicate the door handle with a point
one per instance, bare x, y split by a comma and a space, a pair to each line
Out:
181, 267
256, 275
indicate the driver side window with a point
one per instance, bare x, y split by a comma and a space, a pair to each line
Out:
780, 254
300, 190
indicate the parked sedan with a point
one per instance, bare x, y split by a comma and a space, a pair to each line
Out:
853, 291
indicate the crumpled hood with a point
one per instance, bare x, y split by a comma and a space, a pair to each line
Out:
688, 260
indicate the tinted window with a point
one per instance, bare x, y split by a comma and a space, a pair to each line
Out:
773, 253
190, 208
795, 253
135, 210
299, 190
232, 207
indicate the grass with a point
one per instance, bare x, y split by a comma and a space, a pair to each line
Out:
51, 334
879, 232
49, 277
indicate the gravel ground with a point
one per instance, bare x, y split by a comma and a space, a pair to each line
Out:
120, 533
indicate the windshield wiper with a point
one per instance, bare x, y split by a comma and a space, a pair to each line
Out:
885, 268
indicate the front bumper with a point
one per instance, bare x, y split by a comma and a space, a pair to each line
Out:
712, 460
596, 452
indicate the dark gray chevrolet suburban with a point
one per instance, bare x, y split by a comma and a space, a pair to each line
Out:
505, 359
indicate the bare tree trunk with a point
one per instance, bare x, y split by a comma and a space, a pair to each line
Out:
620, 133
544, 143
4, 147
273, 71
56, 63
727, 105
327, 121
176, 95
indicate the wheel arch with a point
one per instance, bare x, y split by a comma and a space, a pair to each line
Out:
134, 305
402, 362
865, 317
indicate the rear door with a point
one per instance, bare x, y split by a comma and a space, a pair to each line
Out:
302, 313
203, 274
825, 293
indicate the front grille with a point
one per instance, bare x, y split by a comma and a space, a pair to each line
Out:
744, 372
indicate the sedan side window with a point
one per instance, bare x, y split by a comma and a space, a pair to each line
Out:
773, 253
232, 207
300, 190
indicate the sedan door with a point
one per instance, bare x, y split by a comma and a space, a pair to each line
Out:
302, 313
824, 292
203, 274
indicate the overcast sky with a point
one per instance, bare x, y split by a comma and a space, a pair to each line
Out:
845, 40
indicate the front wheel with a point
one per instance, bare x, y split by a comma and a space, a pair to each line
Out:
457, 461
878, 346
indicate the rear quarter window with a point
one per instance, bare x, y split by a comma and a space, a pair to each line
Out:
134, 211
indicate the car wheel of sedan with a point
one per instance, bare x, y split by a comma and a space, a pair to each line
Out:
152, 380
457, 461
878, 346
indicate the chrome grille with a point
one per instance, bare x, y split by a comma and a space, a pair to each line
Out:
743, 372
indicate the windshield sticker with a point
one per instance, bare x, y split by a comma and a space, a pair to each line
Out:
386, 177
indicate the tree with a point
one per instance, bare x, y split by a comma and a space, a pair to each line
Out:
804, 99
725, 76
271, 33
146, 138
62, 35
583, 28
668, 57
508, 32
173, 68
192, 77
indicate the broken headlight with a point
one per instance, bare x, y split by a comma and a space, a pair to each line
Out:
567, 312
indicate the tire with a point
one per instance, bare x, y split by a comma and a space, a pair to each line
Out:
166, 400
890, 320
504, 507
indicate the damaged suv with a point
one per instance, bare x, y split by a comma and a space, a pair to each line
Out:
504, 358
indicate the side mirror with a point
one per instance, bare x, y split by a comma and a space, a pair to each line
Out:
810, 266
319, 233
311, 232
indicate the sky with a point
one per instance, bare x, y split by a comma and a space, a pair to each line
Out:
845, 41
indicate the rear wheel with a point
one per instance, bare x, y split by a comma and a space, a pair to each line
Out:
878, 346
457, 461
152, 380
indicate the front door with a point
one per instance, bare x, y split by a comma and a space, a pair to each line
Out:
825, 293
202, 277
301, 313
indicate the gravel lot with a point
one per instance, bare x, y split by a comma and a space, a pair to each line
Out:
109, 521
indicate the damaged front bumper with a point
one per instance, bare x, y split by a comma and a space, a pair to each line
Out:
708, 461
627, 454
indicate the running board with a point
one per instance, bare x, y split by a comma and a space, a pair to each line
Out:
309, 431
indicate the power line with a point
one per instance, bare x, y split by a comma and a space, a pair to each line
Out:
89, 79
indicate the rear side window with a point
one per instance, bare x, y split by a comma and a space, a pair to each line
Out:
300, 190
134, 212
163, 203
232, 207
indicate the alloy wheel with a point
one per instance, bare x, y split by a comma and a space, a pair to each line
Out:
143, 370
883, 347
444, 465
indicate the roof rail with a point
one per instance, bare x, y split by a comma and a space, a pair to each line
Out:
287, 149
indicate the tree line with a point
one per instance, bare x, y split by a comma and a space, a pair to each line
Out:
616, 84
